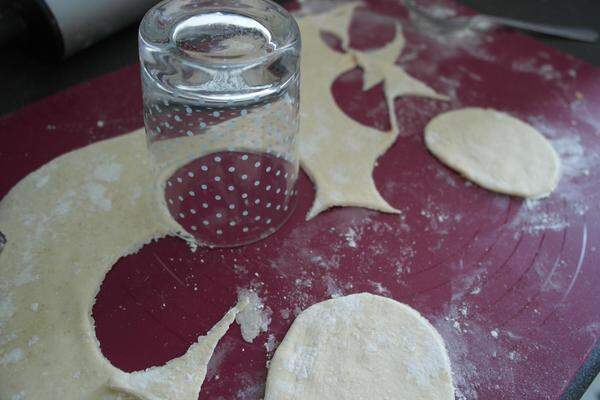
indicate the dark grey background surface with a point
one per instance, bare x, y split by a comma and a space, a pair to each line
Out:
25, 77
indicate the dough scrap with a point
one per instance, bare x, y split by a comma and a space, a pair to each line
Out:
338, 153
494, 150
182, 377
360, 346
53, 265
255, 318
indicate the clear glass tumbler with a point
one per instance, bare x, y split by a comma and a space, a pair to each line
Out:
221, 96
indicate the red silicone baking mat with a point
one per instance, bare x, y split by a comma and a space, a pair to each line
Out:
512, 286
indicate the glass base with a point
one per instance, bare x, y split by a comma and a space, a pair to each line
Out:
232, 198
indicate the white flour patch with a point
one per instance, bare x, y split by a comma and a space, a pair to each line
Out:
466, 281
42, 181
252, 388
439, 11
457, 317
334, 289
450, 43
240, 270
7, 309
378, 226
219, 355
470, 74
574, 160
97, 195
301, 362
136, 193
465, 336
411, 54
546, 128
464, 371
380, 289
303, 282
580, 207
440, 219
26, 274
255, 317
451, 86
33, 340
514, 356
404, 262
341, 177
271, 343
577, 163
4, 339
326, 263
351, 236
110, 172
585, 112
532, 219
404, 227
12, 357
21, 396
531, 65
446, 176
63, 206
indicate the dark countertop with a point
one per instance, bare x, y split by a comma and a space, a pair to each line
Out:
25, 78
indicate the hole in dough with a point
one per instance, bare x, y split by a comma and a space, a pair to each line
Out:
157, 299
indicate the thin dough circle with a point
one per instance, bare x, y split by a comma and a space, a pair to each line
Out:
495, 150
360, 346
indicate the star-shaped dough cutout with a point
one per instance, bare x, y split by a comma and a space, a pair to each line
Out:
337, 21
379, 66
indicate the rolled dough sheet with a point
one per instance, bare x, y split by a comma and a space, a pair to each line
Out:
53, 264
494, 150
66, 224
360, 346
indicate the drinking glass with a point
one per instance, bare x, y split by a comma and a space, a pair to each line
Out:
220, 86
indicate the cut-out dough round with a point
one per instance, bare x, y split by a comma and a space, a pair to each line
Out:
360, 346
495, 150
